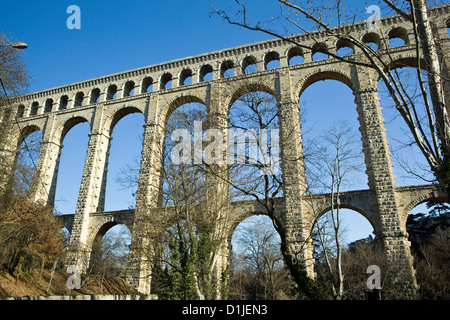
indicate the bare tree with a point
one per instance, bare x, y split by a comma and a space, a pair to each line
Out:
253, 164
14, 80
432, 266
355, 260
13, 69
431, 133
258, 270
331, 165
186, 235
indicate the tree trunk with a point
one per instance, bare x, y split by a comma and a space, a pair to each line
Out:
436, 88
52, 274
305, 284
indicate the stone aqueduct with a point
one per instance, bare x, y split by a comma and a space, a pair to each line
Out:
103, 101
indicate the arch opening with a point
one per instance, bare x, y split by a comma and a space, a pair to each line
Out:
79, 99
123, 163
34, 108
147, 84
331, 139
227, 69
63, 102
206, 73
249, 65
344, 48
128, 89
295, 56
20, 111
48, 107
111, 93
319, 52
183, 183
166, 81
253, 145
95, 96
70, 164
110, 250
344, 246
249, 87
398, 37
271, 60
372, 40
410, 166
325, 76
257, 266
186, 77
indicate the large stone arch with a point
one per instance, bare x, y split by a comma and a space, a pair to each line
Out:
101, 223
115, 115
241, 210
53, 164
362, 202
410, 197
65, 124
233, 93
24, 152
175, 102
96, 237
99, 230
22, 133
430, 197
368, 217
403, 60
320, 74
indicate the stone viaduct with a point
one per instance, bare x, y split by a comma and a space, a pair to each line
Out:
103, 101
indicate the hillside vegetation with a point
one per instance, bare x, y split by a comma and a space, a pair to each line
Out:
35, 283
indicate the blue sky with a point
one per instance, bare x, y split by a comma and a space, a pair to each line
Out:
116, 36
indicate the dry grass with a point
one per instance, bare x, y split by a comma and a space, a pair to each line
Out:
34, 283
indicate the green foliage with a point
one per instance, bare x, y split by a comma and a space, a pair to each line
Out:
422, 226
306, 288
187, 271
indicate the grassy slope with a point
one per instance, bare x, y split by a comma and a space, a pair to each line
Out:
35, 284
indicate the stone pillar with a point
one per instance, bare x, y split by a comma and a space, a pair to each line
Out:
137, 89
119, 93
27, 111
217, 189
381, 180
259, 65
238, 71
307, 56
70, 103
139, 272
284, 62
293, 176
43, 186
86, 100
90, 195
